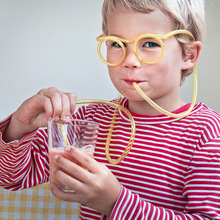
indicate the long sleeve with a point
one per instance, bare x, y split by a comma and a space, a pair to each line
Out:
24, 163
202, 189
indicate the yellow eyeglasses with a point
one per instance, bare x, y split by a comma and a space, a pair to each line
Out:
149, 48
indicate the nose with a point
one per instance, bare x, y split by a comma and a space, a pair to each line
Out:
131, 60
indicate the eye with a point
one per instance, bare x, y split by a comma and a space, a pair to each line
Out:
116, 44
150, 44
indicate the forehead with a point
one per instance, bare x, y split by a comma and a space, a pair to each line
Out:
130, 24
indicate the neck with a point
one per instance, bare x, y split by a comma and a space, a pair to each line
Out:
143, 108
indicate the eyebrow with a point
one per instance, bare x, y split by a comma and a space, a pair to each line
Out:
116, 35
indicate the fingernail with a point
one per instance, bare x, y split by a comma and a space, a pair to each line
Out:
67, 148
87, 148
55, 157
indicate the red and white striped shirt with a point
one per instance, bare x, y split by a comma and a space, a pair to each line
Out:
171, 172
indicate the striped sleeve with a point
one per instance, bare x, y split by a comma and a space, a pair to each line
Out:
202, 188
129, 206
24, 163
202, 184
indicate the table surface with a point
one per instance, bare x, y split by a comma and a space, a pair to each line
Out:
35, 203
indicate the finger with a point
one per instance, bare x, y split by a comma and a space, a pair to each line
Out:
69, 104
72, 100
57, 104
73, 169
63, 103
48, 108
65, 106
53, 95
67, 180
63, 195
82, 157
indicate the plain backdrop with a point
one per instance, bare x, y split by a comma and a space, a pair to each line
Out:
46, 43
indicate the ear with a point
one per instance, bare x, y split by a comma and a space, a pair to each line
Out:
191, 55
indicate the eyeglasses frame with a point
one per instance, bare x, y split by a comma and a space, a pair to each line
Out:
135, 40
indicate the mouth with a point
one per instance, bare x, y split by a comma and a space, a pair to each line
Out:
129, 82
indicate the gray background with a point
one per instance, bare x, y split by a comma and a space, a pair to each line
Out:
46, 43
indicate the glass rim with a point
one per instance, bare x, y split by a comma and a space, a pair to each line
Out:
69, 120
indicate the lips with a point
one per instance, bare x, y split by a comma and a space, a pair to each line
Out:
129, 82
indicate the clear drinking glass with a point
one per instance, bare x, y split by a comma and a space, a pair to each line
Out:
81, 134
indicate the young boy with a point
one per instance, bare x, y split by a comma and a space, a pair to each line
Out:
173, 168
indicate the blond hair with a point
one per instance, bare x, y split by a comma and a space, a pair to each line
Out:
186, 14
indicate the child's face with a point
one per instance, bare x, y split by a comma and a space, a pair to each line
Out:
159, 81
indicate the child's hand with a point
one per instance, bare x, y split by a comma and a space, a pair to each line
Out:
96, 187
35, 111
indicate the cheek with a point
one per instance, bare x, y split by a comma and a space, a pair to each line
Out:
111, 71
165, 75
113, 74
170, 67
